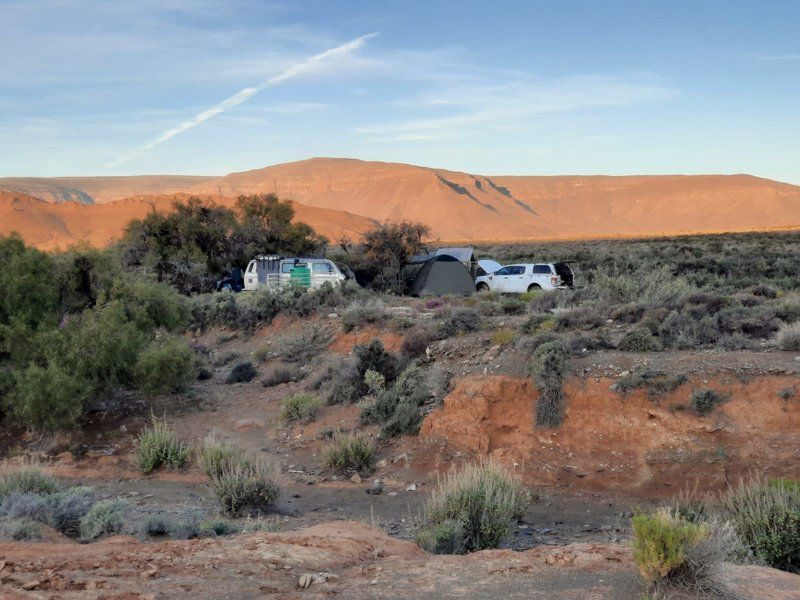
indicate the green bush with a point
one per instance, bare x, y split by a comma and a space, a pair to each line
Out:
789, 337
767, 519
397, 409
661, 543
350, 453
704, 400
300, 407
548, 370
360, 313
460, 321
244, 485
347, 382
106, 517
160, 447
27, 481
242, 372
639, 339
303, 345
46, 398
215, 455
473, 508
20, 530
166, 365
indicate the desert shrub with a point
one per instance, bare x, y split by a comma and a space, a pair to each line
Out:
789, 337
543, 302
548, 369
362, 313
735, 341
166, 365
349, 453
347, 380
20, 530
160, 447
416, 341
788, 311
767, 520
460, 321
219, 527
375, 381
46, 398
672, 552
539, 323
705, 400
187, 528
397, 409
66, 509
215, 454
300, 407
639, 339
579, 318
755, 321
447, 537
27, 481
511, 305
106, 517
679, 330
244, 485
655, 382
787, 393
661, 541
503, 337
656, 286
156, 526
761, 289
242, 372
303, 345
473, 508
149, 304
282, 374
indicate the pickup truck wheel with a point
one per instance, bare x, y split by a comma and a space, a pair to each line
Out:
533, 287
482, 288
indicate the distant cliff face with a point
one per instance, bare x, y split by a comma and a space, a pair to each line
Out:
351, 195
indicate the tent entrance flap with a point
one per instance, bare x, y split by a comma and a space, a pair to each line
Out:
442, 275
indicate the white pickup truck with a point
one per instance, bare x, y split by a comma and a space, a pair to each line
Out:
517, 279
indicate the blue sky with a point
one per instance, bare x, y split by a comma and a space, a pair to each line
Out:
516, 87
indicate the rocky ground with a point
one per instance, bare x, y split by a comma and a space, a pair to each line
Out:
617, 451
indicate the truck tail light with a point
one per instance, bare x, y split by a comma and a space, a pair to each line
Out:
555, 280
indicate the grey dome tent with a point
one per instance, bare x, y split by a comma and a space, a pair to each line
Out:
442, 274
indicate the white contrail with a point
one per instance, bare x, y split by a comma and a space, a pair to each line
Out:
308, 66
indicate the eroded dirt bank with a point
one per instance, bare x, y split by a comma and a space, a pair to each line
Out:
611, 441
341, 559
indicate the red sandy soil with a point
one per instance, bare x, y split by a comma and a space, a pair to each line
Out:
612, 442
353, 194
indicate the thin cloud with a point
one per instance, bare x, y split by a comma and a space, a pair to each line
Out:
314, 65
778, 57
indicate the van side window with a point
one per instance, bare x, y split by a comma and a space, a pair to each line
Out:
517, 270
322, 268
542, 269
252, 268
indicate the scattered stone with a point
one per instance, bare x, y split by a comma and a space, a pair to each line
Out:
247, 424
412, 488
356, 478
376, 488
399, 457
381, 463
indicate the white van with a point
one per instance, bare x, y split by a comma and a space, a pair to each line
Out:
277, 271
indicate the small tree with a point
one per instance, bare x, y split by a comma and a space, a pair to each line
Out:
387, 248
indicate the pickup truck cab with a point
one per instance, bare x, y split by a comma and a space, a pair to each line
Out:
521, 278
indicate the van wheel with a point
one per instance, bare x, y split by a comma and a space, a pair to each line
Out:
482, 288
533, 287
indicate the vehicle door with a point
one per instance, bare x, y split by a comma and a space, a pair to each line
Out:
500, 280
541, 276
322, 272
517, 279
